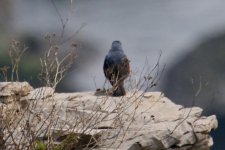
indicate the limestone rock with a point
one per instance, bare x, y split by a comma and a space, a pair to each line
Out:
136, 121
9, 88
39, 94
9, 91
151, 121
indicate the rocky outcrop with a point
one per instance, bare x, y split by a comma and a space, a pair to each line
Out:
139, 120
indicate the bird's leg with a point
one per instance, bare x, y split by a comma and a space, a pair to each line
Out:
118, 89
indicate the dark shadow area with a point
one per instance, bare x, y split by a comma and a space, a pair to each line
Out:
201, 71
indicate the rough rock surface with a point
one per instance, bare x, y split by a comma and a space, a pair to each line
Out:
137, 121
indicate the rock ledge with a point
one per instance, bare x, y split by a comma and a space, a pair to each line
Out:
134, 122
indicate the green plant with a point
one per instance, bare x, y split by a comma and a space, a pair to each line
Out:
39, 145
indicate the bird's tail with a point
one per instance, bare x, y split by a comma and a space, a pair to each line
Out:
119, 91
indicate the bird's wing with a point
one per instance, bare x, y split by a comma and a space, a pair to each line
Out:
125, 67
106, 66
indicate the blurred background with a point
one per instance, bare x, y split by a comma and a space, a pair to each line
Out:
189, 34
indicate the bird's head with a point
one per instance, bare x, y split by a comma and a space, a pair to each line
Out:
116, 45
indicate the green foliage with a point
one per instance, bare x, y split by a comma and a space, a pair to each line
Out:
70, 142
39, 145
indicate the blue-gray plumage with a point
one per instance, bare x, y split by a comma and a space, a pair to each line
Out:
116, 68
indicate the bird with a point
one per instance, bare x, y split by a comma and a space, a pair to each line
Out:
116, 68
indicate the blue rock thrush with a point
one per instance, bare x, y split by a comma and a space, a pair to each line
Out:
116, 68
